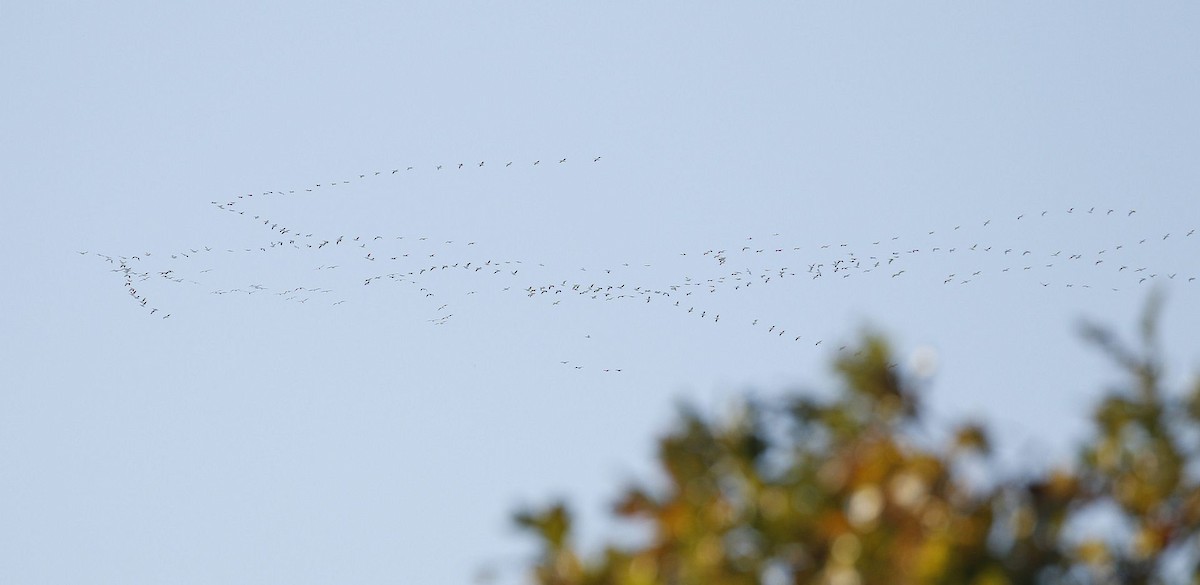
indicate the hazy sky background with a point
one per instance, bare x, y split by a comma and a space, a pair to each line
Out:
254, 438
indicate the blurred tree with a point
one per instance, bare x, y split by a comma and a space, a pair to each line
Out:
839, 492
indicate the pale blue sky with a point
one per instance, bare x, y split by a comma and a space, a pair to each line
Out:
251, 438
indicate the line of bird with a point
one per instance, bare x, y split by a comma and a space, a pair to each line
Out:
315, 187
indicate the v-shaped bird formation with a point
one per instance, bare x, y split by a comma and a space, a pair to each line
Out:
329, 269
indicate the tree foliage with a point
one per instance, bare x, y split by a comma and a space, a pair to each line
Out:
841, 492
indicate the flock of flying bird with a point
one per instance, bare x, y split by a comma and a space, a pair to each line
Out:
417, 262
